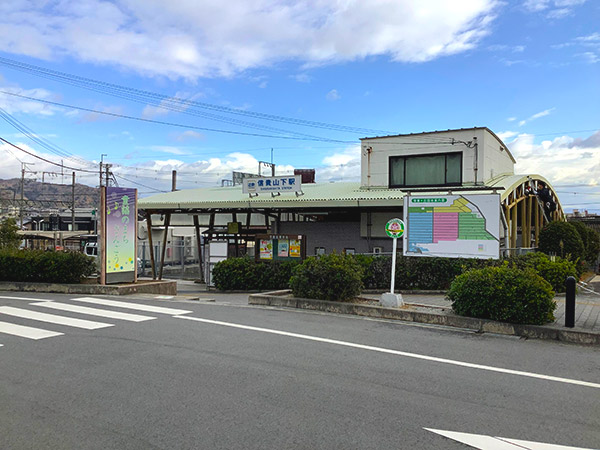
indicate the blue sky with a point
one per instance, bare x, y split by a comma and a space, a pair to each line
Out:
527, 69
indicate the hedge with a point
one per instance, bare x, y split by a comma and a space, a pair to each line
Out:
412, 273
328, 277
248, 275
506, 294
45, 266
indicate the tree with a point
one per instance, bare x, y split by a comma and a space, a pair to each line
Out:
8, 234
591, 241
562, 239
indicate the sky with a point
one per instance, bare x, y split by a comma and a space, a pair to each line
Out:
207, 87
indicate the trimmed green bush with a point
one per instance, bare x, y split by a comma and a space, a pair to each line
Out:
554, 272
246, 274
505, 294
46, 267
328, 277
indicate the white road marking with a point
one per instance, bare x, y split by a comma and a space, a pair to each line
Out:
26, 332
396, 352
28, 299
136, 306
94, 311
51, 318
482, 441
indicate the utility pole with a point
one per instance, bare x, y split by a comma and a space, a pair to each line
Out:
22, 196
23, 168
73, 204
107, 167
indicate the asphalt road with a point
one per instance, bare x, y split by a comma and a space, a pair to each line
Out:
229, 376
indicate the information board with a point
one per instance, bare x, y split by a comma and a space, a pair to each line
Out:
121, 233
452, 226
282, 247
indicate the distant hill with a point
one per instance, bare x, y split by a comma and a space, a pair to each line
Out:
85, 196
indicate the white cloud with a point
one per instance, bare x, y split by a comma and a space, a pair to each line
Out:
179, 102
564, 161
97, 117
555, 9
536, 116
169, 149
13, 104
504, 135
188, 134
590, 57
302, 78
333, 95
511, 119
506, 48
191, 39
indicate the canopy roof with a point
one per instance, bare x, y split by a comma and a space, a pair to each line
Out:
315, 196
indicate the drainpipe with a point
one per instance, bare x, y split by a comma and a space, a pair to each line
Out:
476, 164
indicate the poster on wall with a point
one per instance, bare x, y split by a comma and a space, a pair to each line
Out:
283, 248
266, 249
120, 234
453, 226
295, 248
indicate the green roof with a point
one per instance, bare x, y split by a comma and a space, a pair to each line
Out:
324, 195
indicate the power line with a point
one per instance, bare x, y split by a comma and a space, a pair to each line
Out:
166, 101
174, 124
44, 159
27, 132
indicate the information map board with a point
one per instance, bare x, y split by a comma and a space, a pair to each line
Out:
280, 247
452, 226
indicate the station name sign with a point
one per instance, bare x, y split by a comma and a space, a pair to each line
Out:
289, 183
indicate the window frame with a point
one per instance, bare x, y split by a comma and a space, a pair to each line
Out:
394, 158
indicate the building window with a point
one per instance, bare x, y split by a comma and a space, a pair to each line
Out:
426, 170
350, 251
377, 250
319, 250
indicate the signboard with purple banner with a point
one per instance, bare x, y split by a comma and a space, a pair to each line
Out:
121, 228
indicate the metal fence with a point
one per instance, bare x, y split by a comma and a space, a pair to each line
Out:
181, 259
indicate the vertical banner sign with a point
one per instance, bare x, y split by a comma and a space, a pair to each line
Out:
121, 234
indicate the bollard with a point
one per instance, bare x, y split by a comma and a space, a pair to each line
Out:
570, 303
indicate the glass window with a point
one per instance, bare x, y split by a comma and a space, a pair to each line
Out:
453, 168
426, 170
397, 171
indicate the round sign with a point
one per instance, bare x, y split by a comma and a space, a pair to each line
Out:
394, 228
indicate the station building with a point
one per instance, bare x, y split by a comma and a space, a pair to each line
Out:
350, 217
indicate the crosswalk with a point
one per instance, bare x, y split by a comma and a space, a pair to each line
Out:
36, 311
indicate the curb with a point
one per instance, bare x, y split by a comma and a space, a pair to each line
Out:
284, 299
152, 287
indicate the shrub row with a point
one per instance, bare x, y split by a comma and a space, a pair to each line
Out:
246, 274
411, 273
46, 267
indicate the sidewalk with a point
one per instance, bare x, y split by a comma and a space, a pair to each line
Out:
587, 307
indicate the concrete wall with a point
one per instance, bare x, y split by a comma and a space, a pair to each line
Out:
335, 236
492, 161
